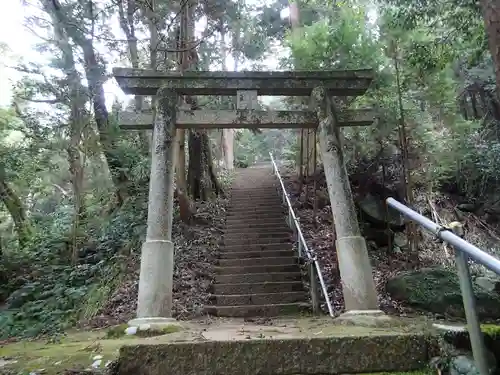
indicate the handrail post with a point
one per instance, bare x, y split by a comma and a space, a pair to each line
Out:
475, 333
463, 251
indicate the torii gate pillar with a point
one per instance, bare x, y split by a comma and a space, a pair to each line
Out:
154, 305
358, 285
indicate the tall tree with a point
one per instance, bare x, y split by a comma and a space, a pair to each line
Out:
95, 73
491, 14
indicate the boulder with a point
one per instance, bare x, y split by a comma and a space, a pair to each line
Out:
467, 207
375, 211
491, 284
400, 239
381, 237
437, 290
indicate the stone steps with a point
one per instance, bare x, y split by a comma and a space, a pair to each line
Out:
245, 215
285, 238
255, 222
244, 255
259, 268
259, 260
255, 247
259, 288
267, 310
258, 298
258, 273
248, 354
258, 278
272, 233
253, 202
259, 225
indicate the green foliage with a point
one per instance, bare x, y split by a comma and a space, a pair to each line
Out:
251, 148
51, 294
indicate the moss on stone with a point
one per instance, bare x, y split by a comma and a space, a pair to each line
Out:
55, 358
438, 290
491, 330
279, 356
116, 331
119, 331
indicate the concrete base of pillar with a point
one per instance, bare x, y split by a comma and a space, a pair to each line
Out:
358, 285
155, 280
372, 313
153, 323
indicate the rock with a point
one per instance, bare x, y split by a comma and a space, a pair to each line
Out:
437, 290
322, 199
491, 284
400, 239
381, 237
465, 365
131, 330
467, 207
374, 209
396, 250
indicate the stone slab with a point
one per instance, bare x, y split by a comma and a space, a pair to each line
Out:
287, 83
279, 356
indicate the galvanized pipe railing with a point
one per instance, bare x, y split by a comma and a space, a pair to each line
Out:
463, 252
303, 250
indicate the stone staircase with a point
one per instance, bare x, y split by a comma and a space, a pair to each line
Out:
258, 273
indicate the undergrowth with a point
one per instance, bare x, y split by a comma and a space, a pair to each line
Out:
46, 292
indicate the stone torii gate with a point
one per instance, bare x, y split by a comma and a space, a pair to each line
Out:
157, 256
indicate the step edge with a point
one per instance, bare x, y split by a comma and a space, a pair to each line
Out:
259, 294
259, 273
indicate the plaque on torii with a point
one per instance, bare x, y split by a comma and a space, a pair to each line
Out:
157, 255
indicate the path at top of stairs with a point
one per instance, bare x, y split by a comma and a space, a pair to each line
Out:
258, 273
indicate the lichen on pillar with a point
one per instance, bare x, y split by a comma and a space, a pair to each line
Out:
354, 264
154, 304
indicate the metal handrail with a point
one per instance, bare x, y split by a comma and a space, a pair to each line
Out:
293, 222
463, 251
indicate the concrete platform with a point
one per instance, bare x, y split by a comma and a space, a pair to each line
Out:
280, 347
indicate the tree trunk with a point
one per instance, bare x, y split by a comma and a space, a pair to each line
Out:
185, 206
95, 74
78, 117
228, 148
202, 180
227, 134
186, 38
16, 209
491, 14
128, 27
196, 183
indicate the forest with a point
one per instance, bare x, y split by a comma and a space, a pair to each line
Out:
74, 184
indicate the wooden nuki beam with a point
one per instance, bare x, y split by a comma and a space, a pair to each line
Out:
295, 83
229, 119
